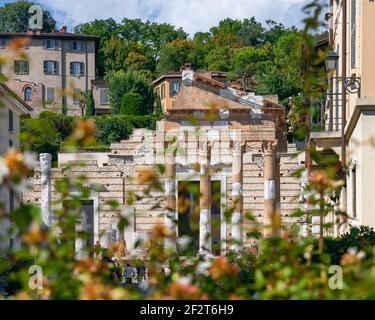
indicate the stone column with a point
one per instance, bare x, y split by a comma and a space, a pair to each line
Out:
45, 181
237, 196
170, 197
205, 197
269, 148
277, 216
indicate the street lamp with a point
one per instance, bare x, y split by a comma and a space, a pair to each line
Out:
332, 59
352, 84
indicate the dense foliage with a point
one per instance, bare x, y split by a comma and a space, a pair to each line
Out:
130, 93
261, 57
90, 104
360, 238
49, 132
14, 17
130, 44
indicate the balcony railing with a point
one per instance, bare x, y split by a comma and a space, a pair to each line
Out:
326, 113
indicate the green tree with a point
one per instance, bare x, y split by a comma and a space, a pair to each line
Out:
219, 58
249, 61
14, 17
283, 77
154, 34
226, 33
90, 104
201, 48
121, 83
174, 54
115, 52
132, 104
251, 33
105, 29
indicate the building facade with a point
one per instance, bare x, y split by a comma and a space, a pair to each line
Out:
213, 138
350, 109
11, 109
49, 71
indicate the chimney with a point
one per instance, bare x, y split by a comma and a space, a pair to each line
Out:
63, 29
186, 67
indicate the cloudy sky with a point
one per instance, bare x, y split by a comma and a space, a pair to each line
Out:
192, 15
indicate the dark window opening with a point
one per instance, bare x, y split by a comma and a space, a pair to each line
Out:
189, 214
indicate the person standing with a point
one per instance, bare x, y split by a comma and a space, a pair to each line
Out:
129, 273
142, 272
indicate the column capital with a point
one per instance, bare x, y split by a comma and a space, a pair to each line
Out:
269, 147
205, 146
238, 146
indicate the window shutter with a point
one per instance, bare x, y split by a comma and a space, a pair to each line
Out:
45, 67
16, 66
50, 95
72, 68
81, 67
10, 118
25, 66
55, 67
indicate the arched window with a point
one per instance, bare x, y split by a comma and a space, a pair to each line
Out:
28, 94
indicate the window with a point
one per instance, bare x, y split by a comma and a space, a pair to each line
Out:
353, 34
354, 191
103, 95
77, 46
28, 94
10, 143
50, 44
2, 44
175, 88
51, 67
162, 96
10, 121
77, 68
21, 67
76, 96
50, 95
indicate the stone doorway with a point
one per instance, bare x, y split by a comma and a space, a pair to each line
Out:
189, 211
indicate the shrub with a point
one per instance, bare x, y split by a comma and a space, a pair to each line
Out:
90, 104
132, 103
121, 83
362, 238
47, 133
111, 129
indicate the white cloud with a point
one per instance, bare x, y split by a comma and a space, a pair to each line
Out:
192, 15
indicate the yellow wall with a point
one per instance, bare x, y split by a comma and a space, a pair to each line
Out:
167, 102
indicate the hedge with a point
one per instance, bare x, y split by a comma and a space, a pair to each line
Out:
47, 133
